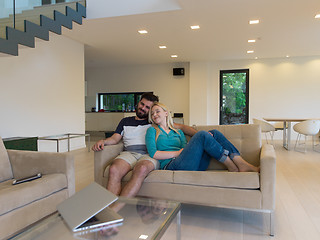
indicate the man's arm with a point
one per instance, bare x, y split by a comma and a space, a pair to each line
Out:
187, 130
114, 139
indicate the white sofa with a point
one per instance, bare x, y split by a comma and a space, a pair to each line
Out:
215, 186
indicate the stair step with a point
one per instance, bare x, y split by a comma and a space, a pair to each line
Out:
3, 32
56, 6
62, 19
50, 25
46, 11
8, 47
19, 37
36, 31
6, 21
74, 15
20, 24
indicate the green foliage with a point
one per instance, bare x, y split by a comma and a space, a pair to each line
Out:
118, 102
234, 89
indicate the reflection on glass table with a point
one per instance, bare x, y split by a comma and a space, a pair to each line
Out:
143, 219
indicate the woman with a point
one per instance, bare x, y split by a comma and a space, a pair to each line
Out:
169, 146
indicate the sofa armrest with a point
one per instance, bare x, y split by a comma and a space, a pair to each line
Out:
104, 158
268, 176
28, 163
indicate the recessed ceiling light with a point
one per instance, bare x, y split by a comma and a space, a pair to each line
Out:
143, 236
194, 27
254, 21
256, 58
251, 41
287, 56
174, 56
317, 16
143, 31
162, 47
250, 51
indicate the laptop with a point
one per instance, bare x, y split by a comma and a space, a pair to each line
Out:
109, 217
80, 211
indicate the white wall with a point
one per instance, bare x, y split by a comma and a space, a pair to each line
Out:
288, 87
42, 90
172, 90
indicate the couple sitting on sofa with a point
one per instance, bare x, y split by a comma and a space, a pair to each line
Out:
166, 145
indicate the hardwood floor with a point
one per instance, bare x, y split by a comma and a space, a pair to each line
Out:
297, 214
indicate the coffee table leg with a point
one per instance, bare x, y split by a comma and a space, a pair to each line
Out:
179, 225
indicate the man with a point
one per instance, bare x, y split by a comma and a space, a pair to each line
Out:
133, 130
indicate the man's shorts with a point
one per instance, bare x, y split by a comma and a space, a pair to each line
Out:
132, 158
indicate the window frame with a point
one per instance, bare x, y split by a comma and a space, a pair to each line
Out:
246, 71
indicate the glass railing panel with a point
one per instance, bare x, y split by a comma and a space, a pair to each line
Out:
47, 9
6, 16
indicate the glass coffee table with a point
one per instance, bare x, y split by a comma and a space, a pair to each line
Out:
143, 219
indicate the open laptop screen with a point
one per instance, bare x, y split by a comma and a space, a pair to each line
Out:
85, 204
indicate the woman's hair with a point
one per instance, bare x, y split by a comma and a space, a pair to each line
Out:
169, 119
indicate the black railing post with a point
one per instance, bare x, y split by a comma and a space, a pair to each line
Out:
14, 13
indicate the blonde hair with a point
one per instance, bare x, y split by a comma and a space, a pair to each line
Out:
169, 120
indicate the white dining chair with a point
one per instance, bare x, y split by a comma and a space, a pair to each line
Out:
306, 128
265, 128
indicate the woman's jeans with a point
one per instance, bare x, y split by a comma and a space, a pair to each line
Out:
202, 146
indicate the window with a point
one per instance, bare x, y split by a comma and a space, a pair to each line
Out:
234, 96
119, 102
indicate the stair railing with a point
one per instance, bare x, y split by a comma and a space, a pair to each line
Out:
14, 12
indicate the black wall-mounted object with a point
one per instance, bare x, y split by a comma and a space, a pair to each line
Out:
177, 115
178, 71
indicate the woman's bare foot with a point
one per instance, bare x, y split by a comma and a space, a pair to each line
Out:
230, 165
244, 166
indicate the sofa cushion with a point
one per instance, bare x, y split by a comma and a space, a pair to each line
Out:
223, 179
5, 166
16, 196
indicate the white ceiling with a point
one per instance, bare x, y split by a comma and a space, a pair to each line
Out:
287, 27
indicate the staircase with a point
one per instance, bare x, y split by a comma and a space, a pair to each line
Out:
37, 23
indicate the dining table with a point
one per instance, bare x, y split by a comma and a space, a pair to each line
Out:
286, 128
